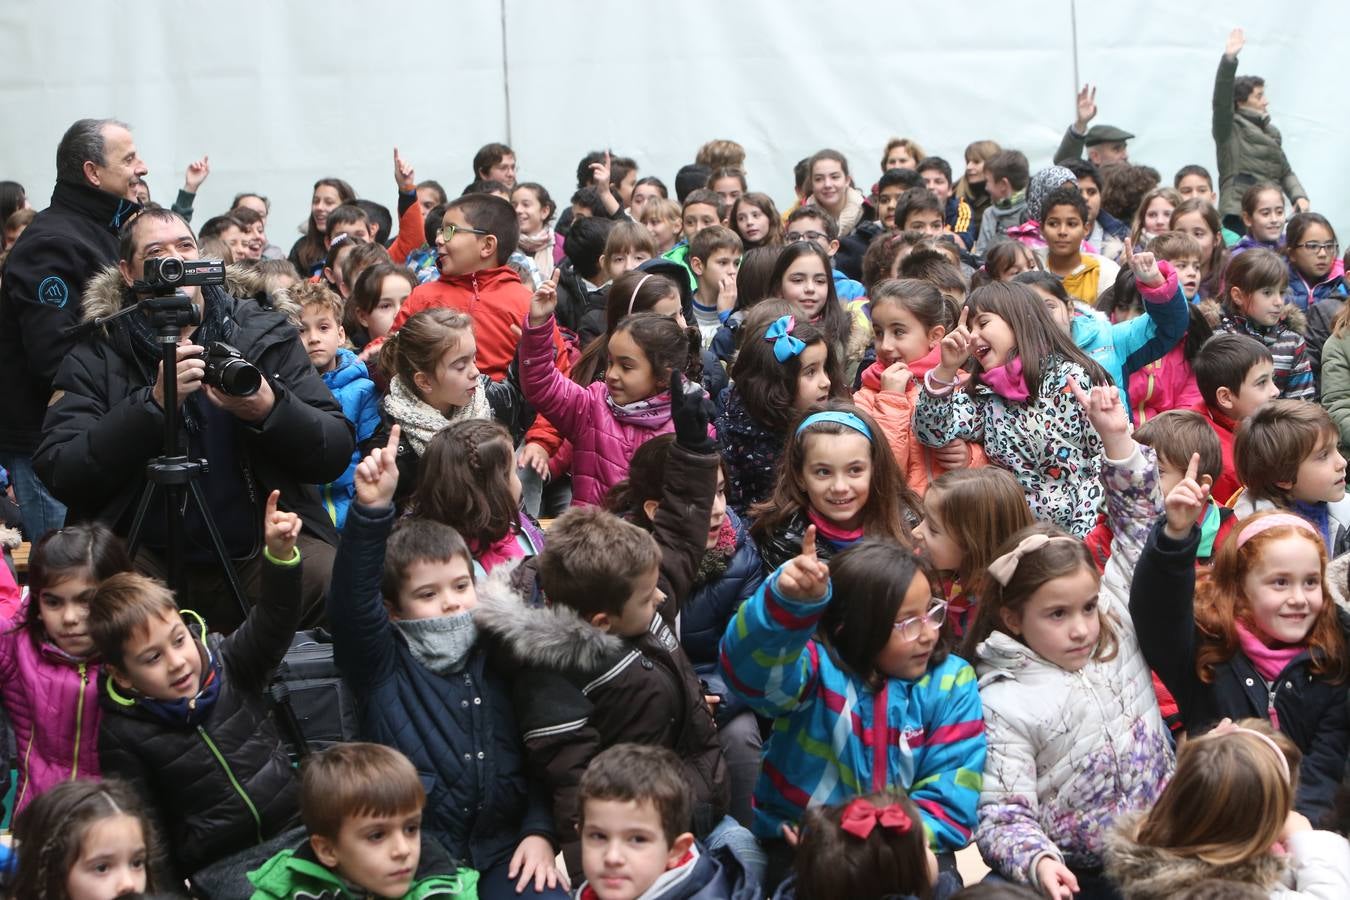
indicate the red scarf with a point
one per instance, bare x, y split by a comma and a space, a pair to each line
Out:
840, 537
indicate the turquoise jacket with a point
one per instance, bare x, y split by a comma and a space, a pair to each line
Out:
831, 729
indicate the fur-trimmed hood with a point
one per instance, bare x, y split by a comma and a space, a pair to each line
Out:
106, 293
1151, 873
554, 637
10, 538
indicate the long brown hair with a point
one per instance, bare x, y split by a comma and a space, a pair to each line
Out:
889, 498
466, 482
66, 552
1221, 602
1228, 801
311, 250
421, 342
764, 203
1035, 333
1056, 559
767, 387
980, 509
1211, 270
632, 292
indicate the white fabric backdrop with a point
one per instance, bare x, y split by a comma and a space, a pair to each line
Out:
281, 93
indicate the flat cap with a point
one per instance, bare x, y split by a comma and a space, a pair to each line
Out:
1105, 134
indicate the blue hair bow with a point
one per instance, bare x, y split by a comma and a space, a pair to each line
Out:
785, 346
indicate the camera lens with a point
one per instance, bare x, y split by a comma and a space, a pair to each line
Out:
239, 378
171, 270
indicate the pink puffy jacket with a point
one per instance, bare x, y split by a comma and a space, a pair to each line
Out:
601, 444
1166, 383
52, 701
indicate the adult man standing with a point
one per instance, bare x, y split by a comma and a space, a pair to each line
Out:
1105, 143
97, 172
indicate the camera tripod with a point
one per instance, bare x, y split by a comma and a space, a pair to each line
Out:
173, 471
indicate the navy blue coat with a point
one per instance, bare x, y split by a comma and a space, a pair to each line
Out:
459, 731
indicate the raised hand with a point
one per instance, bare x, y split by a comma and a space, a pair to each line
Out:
896, 377
545, 300
690, 415
1087, 108
600, 173
1056, 880
1108, 416
404, 176
196, 174
1186, 502
1144, 265
1236, 40
280, 529
804, 577
955, 348
377, 475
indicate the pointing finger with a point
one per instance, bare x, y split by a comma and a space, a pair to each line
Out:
391, 445
1193, 467
809, 542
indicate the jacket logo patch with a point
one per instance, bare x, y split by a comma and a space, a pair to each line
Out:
53, 292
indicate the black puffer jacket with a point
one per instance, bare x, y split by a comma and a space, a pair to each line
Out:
750, 452
780, 544
225, 783
1312, 711
105, 427
66, 245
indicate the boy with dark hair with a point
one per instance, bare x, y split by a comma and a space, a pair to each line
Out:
402, 614
714, 258
1195, 181
362, 807
600, 665
811, 223
186, 719
937, 177
580, 282
349, 219
1287, 458
379, 221
690, 178
1006, 176
495, 162
1064, 227
479, 232
1235, 374
886, 196
700, 208
636, 824
920, 210
1105, 232
321, 331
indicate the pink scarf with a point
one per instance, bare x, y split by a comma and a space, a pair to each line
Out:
1269, 661
654, 412
831, 532
1008, 381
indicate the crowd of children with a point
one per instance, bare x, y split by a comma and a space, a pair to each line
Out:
692, 548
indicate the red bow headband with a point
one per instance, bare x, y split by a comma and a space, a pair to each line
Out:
862, 815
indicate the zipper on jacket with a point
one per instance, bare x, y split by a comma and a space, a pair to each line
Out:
79, 720
229, 773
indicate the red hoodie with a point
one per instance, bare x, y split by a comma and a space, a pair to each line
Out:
1228, 483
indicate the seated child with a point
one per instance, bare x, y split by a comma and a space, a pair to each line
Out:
920, 210
937, 177
321, 331
362, 808
1287, 458
186, 719
714, 257
1253, 286
627, 246
1006, 176
662, 218
1234, 375
1086, 276
405, 641
377, 296
635, 820
701, 209
601, 665
811, 223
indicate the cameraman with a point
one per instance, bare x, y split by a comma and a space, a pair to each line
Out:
106, 421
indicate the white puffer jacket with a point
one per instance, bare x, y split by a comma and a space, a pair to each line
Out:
1069, 752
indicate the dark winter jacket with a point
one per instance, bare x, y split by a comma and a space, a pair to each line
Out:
852, 248
222, 782
104, 426
1248, 147
785, 542
1311, 710
66, 245
579, 690
750, 453
1321, 316
459, 730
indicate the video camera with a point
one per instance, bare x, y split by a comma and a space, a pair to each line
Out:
170, 272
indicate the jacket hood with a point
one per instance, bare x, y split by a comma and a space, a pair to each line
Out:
106, 293
1152, 873
1003, 656
555, 636
349, 369
10, 538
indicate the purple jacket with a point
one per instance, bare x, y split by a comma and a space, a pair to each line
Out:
602, 444
58, 694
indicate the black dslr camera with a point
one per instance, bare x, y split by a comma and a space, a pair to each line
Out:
227, 370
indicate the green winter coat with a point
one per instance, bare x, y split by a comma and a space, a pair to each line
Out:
291, 876
1248, 146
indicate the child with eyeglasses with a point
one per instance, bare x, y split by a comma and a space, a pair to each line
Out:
861, 638
1315, 270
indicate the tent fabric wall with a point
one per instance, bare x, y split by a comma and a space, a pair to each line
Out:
282, 93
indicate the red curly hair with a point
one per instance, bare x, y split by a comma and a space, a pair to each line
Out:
1220, 603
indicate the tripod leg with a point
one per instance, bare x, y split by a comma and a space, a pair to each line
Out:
174, 533
138, 522
222, 555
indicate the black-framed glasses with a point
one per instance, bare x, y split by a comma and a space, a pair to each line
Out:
795, 236
1319, 247
911, 628
450, 229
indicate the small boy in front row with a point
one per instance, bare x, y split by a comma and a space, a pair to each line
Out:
186, 719
362, 806
1235, 374
635, 820
1287, 458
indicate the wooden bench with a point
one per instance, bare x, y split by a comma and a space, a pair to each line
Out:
20, 556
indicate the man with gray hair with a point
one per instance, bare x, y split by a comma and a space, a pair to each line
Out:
73, 239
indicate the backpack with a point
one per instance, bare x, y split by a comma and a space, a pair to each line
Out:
315, 708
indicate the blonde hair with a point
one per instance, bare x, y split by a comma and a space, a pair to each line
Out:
311, 294
658, 209
1228, 801
1165, 193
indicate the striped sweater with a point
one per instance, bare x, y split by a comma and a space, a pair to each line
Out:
1293, 369
828, 742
